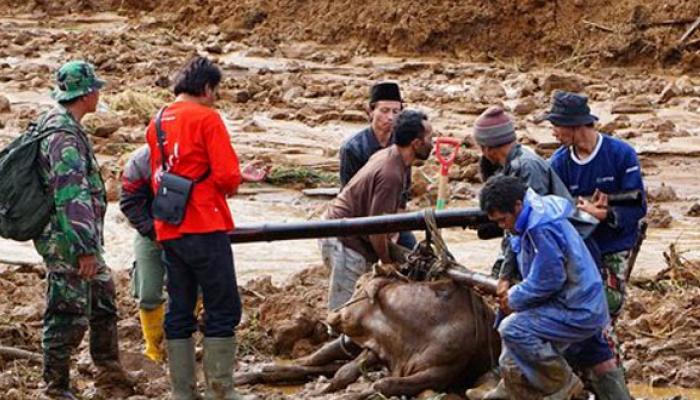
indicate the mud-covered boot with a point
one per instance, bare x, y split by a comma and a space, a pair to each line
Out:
181, 364
498, 393
610, 386
56, 374
57, 394
571, 388
112, 381
219, 357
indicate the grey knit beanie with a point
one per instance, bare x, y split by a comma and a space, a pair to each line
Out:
494, 128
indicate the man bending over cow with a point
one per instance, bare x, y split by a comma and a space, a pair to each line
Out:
560, 301
374, 190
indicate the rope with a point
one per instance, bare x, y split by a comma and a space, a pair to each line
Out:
445, 260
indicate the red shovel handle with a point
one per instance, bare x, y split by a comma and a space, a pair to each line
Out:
454, 143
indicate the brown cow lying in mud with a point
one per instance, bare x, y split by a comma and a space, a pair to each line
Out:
430, 335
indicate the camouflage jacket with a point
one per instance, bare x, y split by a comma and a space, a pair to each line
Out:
68, 166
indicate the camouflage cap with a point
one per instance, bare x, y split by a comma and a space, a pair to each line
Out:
75, 79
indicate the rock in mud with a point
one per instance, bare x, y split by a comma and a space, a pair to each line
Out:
694, 210
4, 104
659, 217
488, 90
102, 124
525, 106
656, 124
565, 82
353, 116
662, 193
633, 106
669, 92
620, 122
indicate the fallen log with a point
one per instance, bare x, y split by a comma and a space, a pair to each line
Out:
13, 353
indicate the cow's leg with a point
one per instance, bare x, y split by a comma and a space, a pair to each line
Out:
286, 374
431, 378
351, 372
339, 349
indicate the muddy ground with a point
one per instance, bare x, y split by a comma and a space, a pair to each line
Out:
290, 103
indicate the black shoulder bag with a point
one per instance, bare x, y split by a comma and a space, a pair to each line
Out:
170, 202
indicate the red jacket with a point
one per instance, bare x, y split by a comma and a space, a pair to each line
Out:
196, 140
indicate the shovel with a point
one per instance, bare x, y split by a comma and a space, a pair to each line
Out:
452, 146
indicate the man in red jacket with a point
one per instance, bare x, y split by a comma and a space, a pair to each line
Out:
197, 252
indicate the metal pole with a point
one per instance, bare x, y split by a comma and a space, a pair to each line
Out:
457, 217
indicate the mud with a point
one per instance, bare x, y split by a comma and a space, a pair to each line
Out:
659, 327
290, 102
568, 33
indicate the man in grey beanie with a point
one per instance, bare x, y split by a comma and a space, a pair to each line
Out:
494, 133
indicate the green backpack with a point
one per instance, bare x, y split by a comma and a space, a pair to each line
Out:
25, 206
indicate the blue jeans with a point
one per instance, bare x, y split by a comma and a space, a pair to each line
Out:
204, 260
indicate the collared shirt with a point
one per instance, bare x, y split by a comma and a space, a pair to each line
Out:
375, 190
612, 167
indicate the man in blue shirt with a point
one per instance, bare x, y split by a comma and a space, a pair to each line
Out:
385, 104
559, 303
593, 165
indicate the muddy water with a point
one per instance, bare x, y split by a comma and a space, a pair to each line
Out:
280, 259
648, 392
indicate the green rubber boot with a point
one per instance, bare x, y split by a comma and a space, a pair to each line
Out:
181, 363
610, 386
219, 357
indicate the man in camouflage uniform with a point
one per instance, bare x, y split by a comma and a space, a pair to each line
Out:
80, 289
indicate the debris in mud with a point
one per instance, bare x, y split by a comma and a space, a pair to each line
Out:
632, 106
660, 324
301, 177
565, 82
694, 210
287, 320
101, 124
663, 193
525, 106
4, 104
618, 123
141, 105
617, 36
659, 217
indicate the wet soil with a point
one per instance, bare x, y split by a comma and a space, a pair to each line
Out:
291, 103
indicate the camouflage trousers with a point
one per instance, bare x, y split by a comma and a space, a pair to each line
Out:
72, 305
613, 274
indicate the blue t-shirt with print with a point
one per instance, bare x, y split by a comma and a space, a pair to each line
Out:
613, 167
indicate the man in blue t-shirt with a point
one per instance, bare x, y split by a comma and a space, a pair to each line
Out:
592, 166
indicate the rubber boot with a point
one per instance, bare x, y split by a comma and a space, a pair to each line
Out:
56, 374
57, 394
571, 388
610, 385
152, 328
181, 364
219, 357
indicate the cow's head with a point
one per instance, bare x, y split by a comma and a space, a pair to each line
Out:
349, 318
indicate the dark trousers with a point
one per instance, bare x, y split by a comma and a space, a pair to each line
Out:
204, 260
407, 239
